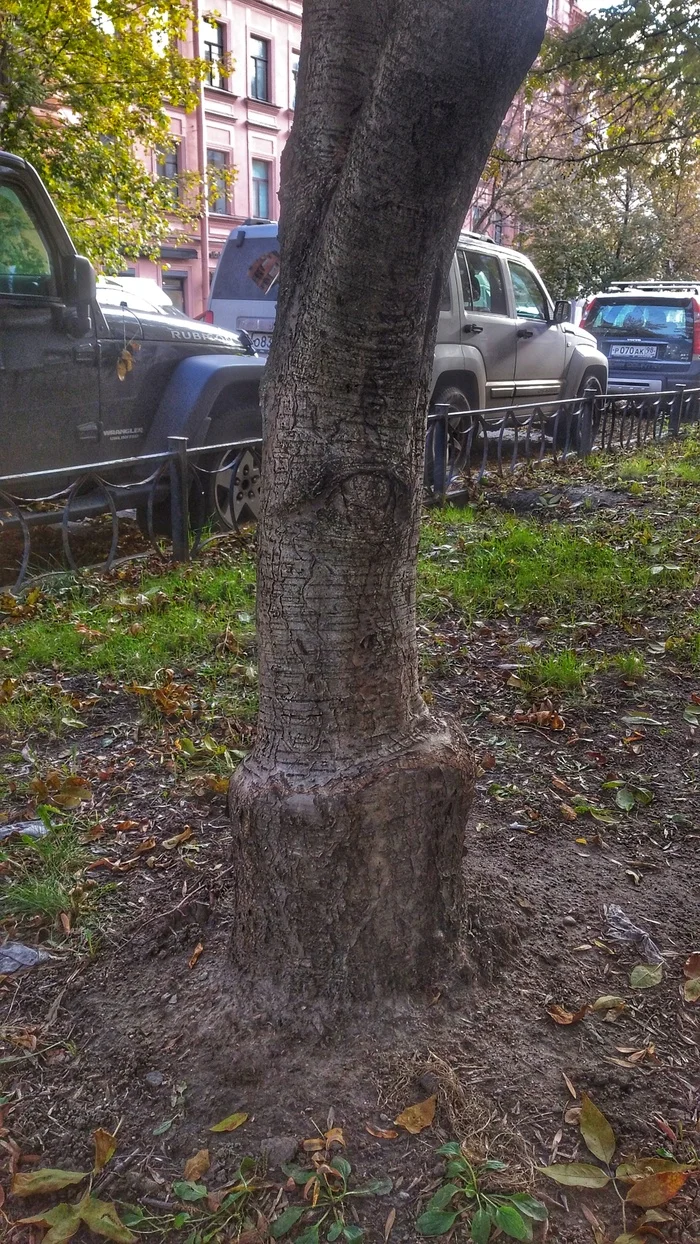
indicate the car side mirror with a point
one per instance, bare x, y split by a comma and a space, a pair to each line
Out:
563, 311
81, 291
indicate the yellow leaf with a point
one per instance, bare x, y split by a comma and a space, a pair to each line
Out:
47, 1180
691, 989
64, 1221
195, 954
171, 843
230, 1123
576, 1174
561, 1016
608, 1002
105, 1147
335, 1137
314, 1145
415, 1118
596, 1131
381, 1133
197, 1166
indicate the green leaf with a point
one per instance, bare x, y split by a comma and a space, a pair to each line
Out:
64, 1221
625, 799
133, 1216
187, 1190
442, 1197
576, 1174
335, 1231
300, 1175
646, 975
493, 1164
353, 1235
436, 1222
342, 1165
102, 1219
180, 1220
230, 1123
34, 1183
452, 1149
163, 1127
310, 1236
376, 1187
457, 1167
481, 1227
512, 1223
287, 1219
596, 1131
530, 1206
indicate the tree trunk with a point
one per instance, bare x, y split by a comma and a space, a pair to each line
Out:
349, 815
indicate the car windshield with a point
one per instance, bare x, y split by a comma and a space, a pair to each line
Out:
248, 269
653, 320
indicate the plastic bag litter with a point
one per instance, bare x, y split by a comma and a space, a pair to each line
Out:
15, 955
28, 829
619, 928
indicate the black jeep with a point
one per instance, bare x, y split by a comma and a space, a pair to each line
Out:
88, 382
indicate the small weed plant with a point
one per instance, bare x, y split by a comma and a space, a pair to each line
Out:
558, 671
462, 1201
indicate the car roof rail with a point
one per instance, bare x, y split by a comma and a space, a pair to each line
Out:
481, 237
652, 287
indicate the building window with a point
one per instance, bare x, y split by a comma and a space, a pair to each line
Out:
216, 166
214, 47
261, 189
168, 169
498, 227
295, 79
260, 69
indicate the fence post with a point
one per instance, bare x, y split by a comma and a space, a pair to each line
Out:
674, 423
440, 446
179, 507
585, 426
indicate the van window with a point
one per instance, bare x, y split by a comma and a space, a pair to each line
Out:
248, 271
639, 319
486, 280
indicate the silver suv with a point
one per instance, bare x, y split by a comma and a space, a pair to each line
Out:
501, 340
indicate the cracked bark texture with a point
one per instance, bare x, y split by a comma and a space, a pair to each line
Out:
349, 814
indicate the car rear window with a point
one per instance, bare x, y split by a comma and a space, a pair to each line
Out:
671, 321
248, 271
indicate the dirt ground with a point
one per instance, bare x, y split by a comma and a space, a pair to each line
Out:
144, 1038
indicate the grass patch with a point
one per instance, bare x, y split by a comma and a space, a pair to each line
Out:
487, 566
560, 671
44, 879
195, 615
35, 708
629, 665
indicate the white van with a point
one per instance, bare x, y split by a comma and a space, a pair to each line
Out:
244, 290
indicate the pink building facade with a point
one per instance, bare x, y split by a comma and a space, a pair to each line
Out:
243, 120
242, 123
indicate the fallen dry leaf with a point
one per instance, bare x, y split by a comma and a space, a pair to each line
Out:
691, 967
195, 954
105, 1148
198, 1165
389, 1224
567, 812
147, 845
171, 843
335, 1137
656, 1189
569, 1085
415, 1118
380, 1132
561, 1016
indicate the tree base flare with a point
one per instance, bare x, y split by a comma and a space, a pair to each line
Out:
349, 885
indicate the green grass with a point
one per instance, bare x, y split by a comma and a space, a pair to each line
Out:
177, 620
483, 566
558, 671
629, 665
35, 708
45, 878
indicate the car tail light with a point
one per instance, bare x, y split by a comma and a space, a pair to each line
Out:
588, 310
696, 328
207, 317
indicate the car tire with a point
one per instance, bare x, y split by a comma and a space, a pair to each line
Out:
458, 440
224, 494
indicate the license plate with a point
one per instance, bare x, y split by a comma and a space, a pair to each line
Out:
261, 342
633, 352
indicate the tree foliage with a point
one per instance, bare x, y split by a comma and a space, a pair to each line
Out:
83, 87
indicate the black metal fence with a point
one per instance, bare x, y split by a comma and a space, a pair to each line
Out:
185, 485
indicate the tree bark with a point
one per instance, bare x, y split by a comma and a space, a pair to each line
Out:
349, 815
